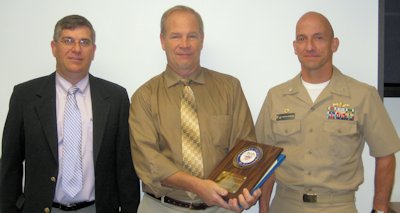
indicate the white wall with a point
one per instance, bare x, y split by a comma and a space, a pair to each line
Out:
393, 105
251, 40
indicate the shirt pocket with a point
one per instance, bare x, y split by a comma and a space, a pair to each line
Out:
218, 130
286, 132
287, 135
343, 137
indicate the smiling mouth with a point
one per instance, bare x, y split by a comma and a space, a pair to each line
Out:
184, 54
75, 59
311, 56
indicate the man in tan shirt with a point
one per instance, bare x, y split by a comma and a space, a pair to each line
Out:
322, 118
155, 124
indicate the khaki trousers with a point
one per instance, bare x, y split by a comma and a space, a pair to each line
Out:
291, 201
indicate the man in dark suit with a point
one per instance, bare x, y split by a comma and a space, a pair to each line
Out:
37, 133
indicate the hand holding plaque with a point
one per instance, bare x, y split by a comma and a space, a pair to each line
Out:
247, 165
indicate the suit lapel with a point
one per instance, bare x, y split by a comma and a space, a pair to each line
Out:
100, 109
46, 111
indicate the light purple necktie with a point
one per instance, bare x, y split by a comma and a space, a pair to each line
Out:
72, 143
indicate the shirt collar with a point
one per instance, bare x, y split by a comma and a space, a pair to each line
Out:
173, 79
66, 85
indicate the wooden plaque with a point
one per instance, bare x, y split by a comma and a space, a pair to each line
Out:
244, 166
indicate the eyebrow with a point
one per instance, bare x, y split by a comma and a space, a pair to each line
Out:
84, 38
304, 35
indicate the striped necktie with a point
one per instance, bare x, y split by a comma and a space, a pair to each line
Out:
72, 143
191, 146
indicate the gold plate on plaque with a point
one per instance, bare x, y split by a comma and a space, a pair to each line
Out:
230, 181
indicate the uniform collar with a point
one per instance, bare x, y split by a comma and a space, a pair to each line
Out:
336, 85
173, 79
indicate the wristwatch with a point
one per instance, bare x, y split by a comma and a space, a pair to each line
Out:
377, 211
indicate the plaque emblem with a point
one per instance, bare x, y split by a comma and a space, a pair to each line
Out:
247, 157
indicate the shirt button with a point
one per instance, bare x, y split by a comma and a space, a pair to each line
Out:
311, 130
309, 173
310, 152
312, 109
339, 131
53, 179
46, 210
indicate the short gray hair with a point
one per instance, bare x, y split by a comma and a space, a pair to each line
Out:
184, 9
71, 22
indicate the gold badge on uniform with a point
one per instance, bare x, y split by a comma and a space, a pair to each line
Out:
340, 111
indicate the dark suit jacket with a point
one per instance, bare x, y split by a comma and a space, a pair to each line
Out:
30, 136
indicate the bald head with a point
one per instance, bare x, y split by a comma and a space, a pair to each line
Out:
317, 20
314, 46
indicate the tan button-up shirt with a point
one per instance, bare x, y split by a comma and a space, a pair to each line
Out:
324, 140
223, 113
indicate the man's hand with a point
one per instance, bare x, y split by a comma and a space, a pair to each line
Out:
211, 193
246, 200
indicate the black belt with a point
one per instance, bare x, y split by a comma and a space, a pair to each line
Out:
72, 206
194, 206
315, 197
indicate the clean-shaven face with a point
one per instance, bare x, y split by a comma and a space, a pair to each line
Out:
74, 59
314, 44
182, 42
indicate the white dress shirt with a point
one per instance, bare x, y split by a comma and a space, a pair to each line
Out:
84, 101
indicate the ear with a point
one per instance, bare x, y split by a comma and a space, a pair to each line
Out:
53, 48
162, 39
335, 44
294, 47
202, 42
94, 51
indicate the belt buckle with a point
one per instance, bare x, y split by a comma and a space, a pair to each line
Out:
310, 198
198, 206
71, 205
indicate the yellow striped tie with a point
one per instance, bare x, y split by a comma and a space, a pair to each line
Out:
191, 147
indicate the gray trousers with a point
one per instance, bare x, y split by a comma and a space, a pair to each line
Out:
150, 204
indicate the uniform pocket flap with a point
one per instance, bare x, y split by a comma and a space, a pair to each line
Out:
341, 127
286, 127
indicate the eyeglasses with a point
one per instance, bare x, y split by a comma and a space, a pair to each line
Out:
70, 42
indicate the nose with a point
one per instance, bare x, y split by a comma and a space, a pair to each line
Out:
310, 45
76, 47
184, 43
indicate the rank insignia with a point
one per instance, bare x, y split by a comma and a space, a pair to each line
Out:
340, 111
